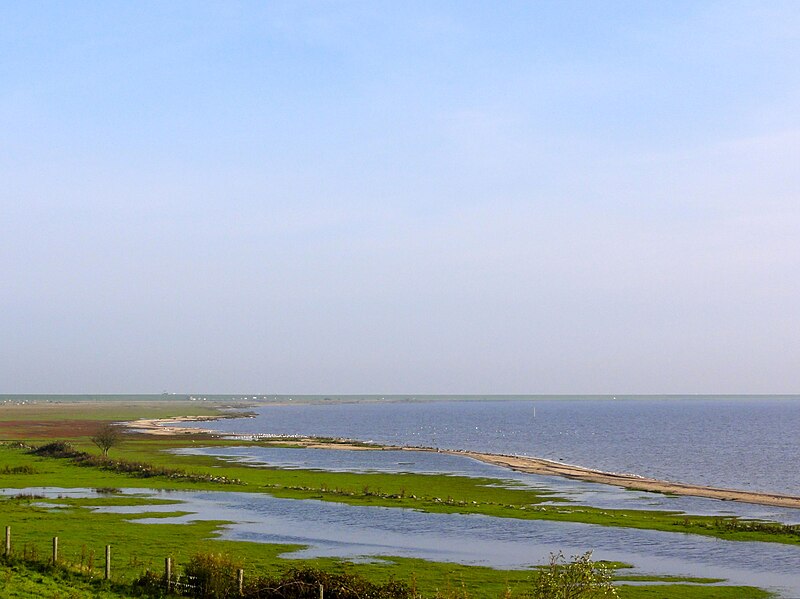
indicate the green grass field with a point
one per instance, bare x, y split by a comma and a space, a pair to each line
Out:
431, 493
138, 547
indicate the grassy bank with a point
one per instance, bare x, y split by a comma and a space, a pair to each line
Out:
425, 492
46, 421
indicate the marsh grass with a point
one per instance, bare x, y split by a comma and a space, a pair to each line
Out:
65, 450
431, 493
741, 526
24, 469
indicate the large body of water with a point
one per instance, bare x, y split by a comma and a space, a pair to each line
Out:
749, 443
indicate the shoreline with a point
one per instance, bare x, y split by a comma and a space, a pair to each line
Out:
530, 465
157, 426
630, 481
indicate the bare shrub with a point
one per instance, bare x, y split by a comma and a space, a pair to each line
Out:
106, 437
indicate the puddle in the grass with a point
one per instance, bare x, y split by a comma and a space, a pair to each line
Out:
358, 532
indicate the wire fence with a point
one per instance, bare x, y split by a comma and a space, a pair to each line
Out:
211, 576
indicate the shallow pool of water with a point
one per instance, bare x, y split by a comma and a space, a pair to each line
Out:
340, 530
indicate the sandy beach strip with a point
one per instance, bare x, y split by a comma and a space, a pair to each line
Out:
630, 481
163, 426
530, 465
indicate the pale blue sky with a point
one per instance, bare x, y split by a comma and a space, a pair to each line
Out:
462, 197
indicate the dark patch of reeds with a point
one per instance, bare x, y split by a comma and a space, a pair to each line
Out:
738, 525
27, 497
214, 576
24, 469
56, 449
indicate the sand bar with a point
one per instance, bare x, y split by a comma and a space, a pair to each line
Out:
163, 426
518, 463
630, 481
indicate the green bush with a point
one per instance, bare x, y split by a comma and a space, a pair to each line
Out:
56, 449
579, 579
304, 583
213, 575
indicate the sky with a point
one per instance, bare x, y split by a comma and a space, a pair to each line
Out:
400, 197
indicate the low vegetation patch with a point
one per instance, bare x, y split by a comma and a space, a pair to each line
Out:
27, 497
63, 449
25, 469
578, 579
737, 525
215, 576
56, 449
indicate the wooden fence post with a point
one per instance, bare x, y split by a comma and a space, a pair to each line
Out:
168, 572
55, 550
8, 540
108, 562
321, 592
240, 580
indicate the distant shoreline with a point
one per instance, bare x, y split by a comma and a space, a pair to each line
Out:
157, 426
273, 399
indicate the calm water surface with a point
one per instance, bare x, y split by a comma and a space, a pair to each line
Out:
334, 529
742, 443
425, 462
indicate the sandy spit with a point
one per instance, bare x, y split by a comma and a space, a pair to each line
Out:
158, 426
630, 481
